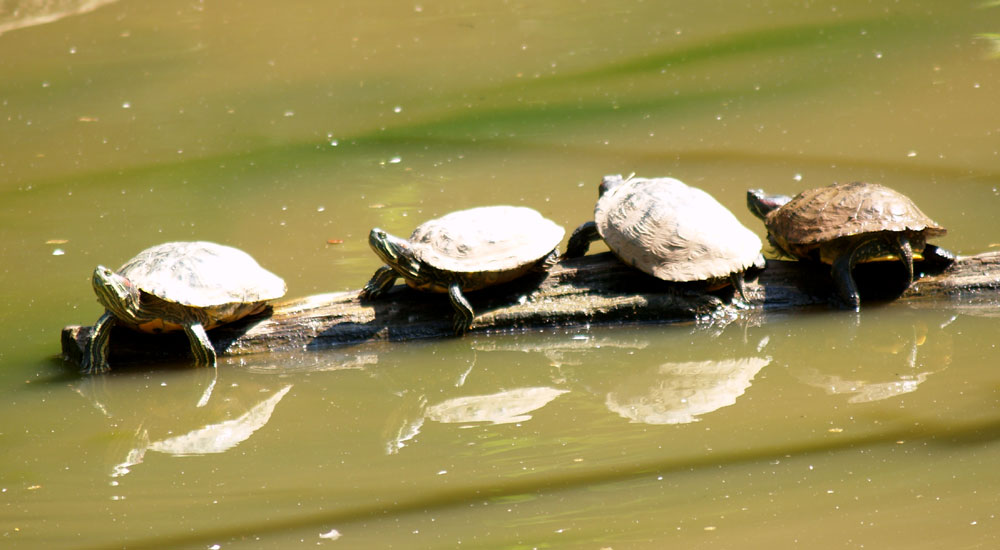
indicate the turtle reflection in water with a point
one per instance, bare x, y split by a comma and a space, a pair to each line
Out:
679, 393
464, 251
213, 438
846, 224
189, 286
670, 230
505, 407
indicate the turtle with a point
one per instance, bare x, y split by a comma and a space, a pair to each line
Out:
670, 230
464, 251
844, 224
189, 286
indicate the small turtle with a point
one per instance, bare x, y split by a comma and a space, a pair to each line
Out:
463, 251
848, 223
189, 286
671, 231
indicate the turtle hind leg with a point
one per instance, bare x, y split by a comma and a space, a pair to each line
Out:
579, 241
381, 281
463, 310
95, 355
546, 263
550, 261
739, 284
842, 277
843, 265
201, 346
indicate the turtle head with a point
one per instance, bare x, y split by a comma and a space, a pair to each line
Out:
116, 293
610, 182
395, 252
761, 204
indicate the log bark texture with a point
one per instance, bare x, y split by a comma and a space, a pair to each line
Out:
593, 289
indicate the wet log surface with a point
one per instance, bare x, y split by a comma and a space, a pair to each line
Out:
596, 289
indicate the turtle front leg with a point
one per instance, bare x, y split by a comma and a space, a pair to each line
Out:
201, 346
463, 310
905, 252
95, 356
381, 281
841, 273
579, 241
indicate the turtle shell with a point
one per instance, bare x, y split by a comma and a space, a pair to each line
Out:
202, 275
486, 239
673, 231
821, 215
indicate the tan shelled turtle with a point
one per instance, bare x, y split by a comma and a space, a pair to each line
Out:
189, 286
464, 251
671, 231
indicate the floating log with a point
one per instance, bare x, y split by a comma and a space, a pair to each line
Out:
595, 289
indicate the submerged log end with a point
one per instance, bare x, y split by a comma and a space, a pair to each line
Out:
74, 341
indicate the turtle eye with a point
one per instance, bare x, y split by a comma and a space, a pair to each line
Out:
102, 275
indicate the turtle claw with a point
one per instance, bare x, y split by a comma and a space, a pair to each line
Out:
367, 292
381, 281
460, 325
88, 366
549, 261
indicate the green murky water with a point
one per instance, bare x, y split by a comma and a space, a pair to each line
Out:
276, 128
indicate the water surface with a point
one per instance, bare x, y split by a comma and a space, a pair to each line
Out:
281, 128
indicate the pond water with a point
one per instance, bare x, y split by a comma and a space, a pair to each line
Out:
290, 129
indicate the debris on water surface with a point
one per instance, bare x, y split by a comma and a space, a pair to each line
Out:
332, 534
